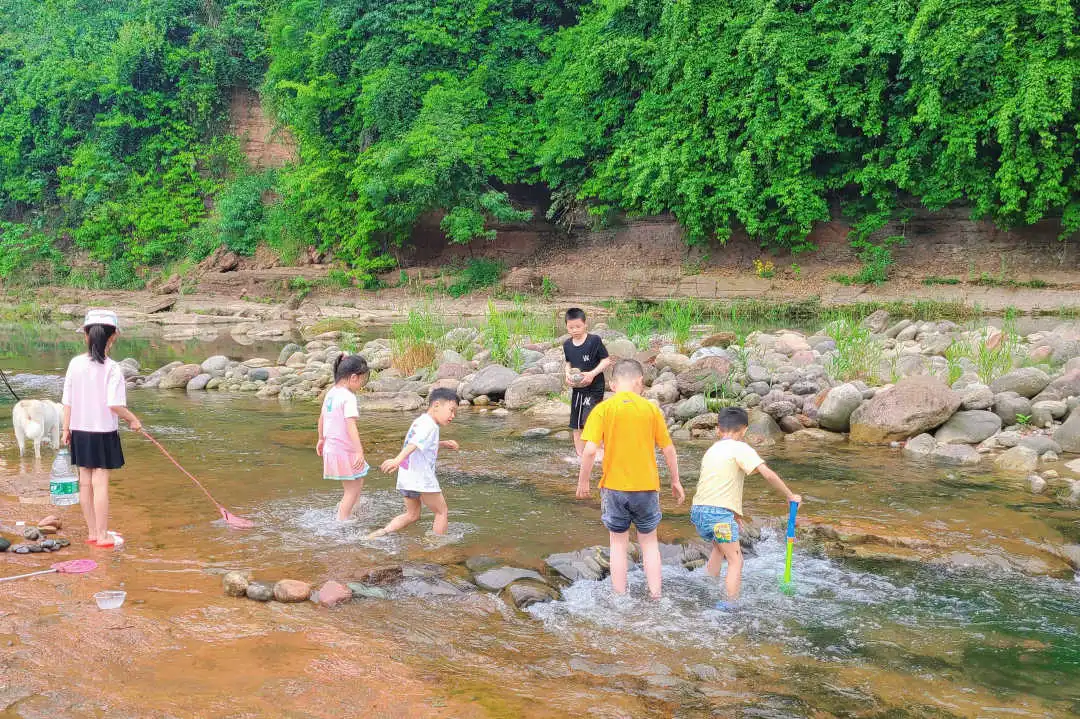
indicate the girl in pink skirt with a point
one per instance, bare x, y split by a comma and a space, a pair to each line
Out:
339, 439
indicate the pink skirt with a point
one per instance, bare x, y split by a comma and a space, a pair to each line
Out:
341, 466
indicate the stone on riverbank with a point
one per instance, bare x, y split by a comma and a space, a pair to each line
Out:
527, 390
292, 591
707, 373
968, 427
835, 411
763, 430
363, 591
921, 446
1026, 382
910, 407
1068, 434
179, 377
492, 381
956, 454
198, 383
380, 575
235, 584
389, 402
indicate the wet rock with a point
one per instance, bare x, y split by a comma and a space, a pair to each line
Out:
956, 454
259, 591
50, 545
920, 446
552, 410
526, 391
235, 584
334, 593
390, 402
1017, 459
480, 563
380, 575
198, 383
1008, 439
495, 580
1073, 466
35, 548
32, 534
430, 587
4, 544
1068, 434
500, 412
790, 424
46, 529
968, 427
835, 411
1036, 484
524, 593
536, 433
21, 549
583, 564
292, 591
363, 591
259, 374
179, 377
912, 406
61, 542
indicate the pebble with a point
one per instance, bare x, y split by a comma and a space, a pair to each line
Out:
35, 548
363, 591
260, 591
31, 533
21, 549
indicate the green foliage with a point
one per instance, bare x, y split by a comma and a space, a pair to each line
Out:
679, 316
478, 274
857, 355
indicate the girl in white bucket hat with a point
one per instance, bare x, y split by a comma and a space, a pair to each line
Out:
95, 396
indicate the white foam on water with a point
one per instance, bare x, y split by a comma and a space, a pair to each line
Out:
825, 595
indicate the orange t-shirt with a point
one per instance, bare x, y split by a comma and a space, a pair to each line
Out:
630, 428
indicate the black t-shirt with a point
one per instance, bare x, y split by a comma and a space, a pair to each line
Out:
586, 358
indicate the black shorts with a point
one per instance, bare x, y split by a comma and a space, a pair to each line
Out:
582, 402
96, 450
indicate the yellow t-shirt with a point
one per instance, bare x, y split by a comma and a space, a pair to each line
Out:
723, 472
629, 427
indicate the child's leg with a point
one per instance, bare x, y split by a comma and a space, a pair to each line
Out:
437, 504
579, 445
352, 489
410, 516
100, 481
619, 544
86, 501
733, 554
716, 561
650, 557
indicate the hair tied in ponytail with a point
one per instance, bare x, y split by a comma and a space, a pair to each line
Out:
345, 366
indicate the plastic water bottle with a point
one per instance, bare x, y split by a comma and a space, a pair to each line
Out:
63, 484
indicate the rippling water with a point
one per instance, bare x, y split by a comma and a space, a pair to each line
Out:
867, 636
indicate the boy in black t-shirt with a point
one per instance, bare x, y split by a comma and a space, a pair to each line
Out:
586, 360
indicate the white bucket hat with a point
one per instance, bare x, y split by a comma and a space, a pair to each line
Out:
100, 317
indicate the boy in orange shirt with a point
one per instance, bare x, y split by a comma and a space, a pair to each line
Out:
629, 427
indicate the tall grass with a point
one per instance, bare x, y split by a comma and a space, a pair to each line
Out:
679, 316
497, 335
415, 340
638, 329
857, 355
991, 358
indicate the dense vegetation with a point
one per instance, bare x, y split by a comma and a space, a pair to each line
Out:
768, 116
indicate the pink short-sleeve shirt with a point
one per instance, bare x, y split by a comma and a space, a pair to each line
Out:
90, 389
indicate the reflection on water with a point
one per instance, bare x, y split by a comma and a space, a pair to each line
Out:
860, 637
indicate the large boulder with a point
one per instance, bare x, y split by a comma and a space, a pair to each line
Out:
835, 412
977, 396
1068, 434
912, 406
621, 349
1026, 382
526, 592
677, 363
527, 390
705, 375
497, 579
1065, 386
970, 427
198, 382
492, 381
217, 363
789, 343
179, 377
550, 410
663, 392
690, 408
921, 446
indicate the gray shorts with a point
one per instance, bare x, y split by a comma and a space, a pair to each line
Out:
410, 494
618, 510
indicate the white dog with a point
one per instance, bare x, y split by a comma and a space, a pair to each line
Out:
37, 420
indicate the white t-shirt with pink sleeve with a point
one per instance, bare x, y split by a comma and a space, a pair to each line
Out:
90, 389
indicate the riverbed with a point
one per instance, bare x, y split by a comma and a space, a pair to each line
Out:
974, 627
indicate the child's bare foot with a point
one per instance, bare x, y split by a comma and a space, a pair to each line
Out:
377, 533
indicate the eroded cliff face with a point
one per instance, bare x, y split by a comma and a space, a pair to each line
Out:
263, 144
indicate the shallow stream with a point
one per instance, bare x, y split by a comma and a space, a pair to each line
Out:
979, 630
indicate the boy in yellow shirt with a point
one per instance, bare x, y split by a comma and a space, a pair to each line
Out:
717, 507
629, 427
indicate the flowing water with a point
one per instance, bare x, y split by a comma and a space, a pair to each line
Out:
986, 624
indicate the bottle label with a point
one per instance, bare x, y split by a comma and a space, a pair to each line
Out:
63, 488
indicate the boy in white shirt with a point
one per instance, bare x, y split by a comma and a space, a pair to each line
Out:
717, 507
415, 465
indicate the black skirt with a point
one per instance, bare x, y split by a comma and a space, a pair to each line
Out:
96, 450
